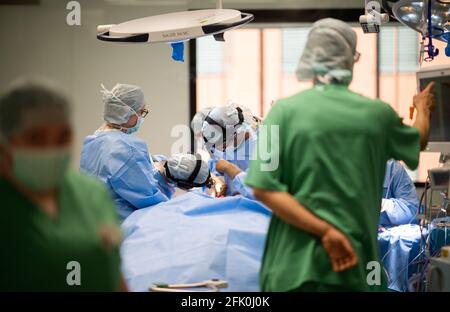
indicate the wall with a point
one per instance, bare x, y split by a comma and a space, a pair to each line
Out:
37, 41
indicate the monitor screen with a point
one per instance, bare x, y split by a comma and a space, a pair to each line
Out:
440, 119
440, 179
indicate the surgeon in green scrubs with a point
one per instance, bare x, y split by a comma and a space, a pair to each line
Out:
331, 147
58, 229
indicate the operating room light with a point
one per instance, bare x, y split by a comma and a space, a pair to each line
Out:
176, 28
414, 15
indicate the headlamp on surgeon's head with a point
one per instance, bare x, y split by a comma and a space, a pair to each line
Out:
188, 171
219, 134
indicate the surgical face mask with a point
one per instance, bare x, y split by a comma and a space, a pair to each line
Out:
40, 170
231, 153
138, 125
240, 147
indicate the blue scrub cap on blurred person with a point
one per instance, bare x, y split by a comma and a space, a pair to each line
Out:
183, 167
329, 53
122, 102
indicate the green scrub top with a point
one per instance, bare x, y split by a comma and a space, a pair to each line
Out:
333, 145
79, 246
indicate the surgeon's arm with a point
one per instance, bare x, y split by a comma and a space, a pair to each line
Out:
135, 182
239, 185
226, 167
397, 211
403, 204
237, 177
424, 103
287, 208
122, 284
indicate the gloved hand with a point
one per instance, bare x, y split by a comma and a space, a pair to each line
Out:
219, 186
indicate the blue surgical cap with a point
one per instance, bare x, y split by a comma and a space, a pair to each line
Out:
181, 167
122, 102
228, 118
197, 121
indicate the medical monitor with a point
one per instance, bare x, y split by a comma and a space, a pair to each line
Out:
440, 119
440, 179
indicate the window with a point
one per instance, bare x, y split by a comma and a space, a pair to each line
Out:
386, 48
257, 66
398, 50
399, 58
408, 50
230, 70
209, 56
293, 43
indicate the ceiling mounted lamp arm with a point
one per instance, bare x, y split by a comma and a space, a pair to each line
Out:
386, 7
373, 18
431, 50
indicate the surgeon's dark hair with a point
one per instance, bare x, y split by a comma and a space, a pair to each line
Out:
26, 96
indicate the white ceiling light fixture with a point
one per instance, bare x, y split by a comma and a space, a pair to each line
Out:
176, 28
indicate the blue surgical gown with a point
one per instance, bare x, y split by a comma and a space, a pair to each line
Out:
238, 184
193, 238
400, 250
123, 163
400, 190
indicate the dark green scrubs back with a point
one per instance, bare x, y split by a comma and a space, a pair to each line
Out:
333, 146
40, 253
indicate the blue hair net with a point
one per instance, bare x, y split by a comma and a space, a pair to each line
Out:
329, 53
181, 167
197, 121
122, 102
227, 117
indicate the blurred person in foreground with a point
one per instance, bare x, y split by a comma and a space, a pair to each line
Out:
59, 229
